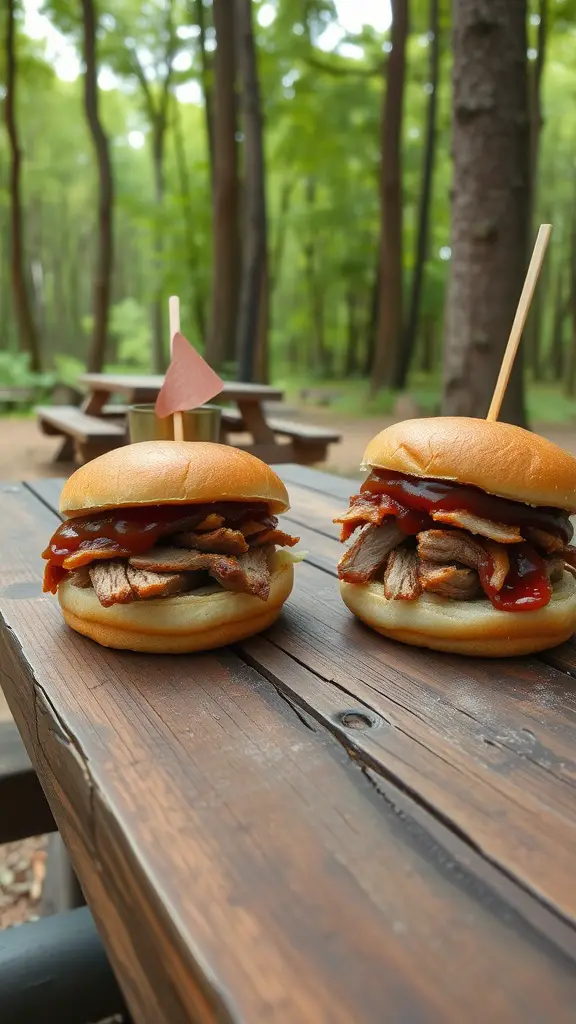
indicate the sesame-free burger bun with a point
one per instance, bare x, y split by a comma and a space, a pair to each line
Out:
473, 628
497, 457
171, 473
204, 619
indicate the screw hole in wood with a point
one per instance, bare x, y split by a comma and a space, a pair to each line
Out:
357, 720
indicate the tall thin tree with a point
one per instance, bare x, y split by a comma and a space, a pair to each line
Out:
421, 256
251, 335
156, 105
225, 193
22, 307
489, 203
389, 322
104, 257
207, 72
535, 75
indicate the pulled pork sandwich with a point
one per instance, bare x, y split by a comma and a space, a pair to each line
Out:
171, 546
464, 542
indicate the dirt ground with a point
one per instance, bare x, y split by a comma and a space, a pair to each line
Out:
25, 453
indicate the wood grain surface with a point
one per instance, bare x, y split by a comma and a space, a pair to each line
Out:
317, 826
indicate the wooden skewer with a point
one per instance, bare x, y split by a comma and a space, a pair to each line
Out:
174, 312
532, 275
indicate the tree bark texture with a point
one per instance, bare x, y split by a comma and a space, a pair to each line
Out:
533, 331
389, 323
27, 331
207, 72
254, 233
225, 192
409, 342
104, 255
489, 203
196, 291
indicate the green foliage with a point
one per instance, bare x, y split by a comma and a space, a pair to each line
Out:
322, 114
15, 372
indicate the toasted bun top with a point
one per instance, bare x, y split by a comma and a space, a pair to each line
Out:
499, 458
171, 473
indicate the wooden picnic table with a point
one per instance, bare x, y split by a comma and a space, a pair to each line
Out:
95, 427
318, 825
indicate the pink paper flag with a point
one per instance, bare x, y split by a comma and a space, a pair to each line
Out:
189, 381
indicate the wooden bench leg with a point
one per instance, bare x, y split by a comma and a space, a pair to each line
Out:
65, 452
309, 453
24, 810
61, 890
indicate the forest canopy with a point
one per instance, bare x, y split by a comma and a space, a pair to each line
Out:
181, 104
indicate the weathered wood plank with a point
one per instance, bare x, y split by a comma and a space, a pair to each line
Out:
240, 864
488, 745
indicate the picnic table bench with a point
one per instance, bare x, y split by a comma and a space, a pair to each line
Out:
318, 825
92, 429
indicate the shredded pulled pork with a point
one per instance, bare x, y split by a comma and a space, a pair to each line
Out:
475, 524
401, 580
230, 545
464, 557
363, 560
221, 541
364, 508
453, 581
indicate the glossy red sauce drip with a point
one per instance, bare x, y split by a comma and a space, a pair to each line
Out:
418, 495
123, 532
527, 586
412, 499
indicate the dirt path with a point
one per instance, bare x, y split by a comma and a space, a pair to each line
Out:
25, 453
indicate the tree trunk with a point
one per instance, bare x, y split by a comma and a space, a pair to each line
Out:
372, 322
158, 347
407, 350
389, 325
278, 246
226, 246
535, 71
428, 344
561, 310
317, 350
193, 258
104, 256
26, 327
489, 203
207, 76
351, 359
254, 234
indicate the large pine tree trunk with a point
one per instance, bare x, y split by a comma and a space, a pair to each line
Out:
20, 297
104, 256
226, 248
249, 334
409, 341
489, 203
389, 323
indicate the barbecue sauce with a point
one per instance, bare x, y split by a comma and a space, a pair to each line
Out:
120, 533
412, 500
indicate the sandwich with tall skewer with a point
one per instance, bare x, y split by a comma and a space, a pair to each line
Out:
462, 538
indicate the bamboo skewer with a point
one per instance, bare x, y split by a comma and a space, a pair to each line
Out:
530, 282
174, 312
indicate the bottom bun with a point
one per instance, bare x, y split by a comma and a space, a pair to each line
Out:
466, 627
176, 625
